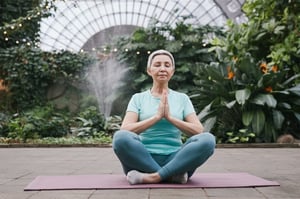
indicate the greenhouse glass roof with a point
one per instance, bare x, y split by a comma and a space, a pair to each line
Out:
87, 24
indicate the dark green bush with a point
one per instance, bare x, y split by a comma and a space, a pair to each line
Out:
38, 122
29, 72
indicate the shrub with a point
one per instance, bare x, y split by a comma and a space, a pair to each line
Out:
29, 72
254, 83
39, 122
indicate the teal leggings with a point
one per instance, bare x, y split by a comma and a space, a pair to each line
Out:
134, 156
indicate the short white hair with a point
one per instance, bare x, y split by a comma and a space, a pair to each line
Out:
160, 52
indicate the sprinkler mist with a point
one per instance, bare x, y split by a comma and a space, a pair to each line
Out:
105, 77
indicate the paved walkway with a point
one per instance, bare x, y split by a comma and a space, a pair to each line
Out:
19, 166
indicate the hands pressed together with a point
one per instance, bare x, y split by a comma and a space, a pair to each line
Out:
163, 109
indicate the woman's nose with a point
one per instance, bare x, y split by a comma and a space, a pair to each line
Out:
162, 67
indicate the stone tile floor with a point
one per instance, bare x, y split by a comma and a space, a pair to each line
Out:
19, 166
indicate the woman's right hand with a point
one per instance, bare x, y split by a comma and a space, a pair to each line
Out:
163, 109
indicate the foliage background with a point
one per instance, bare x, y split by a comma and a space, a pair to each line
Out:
246, 85
19, 21
261, 61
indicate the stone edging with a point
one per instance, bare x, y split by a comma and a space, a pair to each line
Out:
248, 145
259, 145
20, 145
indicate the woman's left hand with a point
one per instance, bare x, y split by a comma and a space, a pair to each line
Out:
165, 104
191, 125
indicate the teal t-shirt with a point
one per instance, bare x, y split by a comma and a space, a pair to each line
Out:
163, 137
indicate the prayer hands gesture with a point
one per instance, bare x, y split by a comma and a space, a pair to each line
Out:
163, 109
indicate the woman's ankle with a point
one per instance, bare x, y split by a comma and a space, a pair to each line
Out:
151, 178
136, 177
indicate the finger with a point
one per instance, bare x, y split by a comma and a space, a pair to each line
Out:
166, 105
165, 96
163, 99
161, 108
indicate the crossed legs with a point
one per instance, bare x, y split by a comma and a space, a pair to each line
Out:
142, 167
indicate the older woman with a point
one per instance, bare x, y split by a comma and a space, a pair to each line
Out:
149, 144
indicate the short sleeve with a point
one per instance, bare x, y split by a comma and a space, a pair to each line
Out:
188, 106
134, 104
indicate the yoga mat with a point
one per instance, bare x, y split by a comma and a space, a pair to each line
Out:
113, 181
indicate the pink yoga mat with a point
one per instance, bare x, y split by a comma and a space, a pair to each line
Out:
113, 181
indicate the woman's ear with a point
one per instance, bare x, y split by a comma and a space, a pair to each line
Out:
148, 71
173, 71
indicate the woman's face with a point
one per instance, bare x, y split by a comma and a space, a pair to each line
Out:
161, 69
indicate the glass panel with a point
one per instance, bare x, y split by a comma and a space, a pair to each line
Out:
74, 22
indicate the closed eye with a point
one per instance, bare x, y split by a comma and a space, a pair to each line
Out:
166, 64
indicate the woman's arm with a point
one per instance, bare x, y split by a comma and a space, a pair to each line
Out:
131, 123
191, 125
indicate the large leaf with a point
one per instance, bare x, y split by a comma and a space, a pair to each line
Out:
270, 79
265, 99
230, 104
270, 133
242, 95
204, 112
295, 89
214, 74
297, 115
285, 105
247, 117
278, 119
258, 121
209, 123
291, 79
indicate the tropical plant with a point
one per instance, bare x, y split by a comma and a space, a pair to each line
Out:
89, 123
112, 124
254, 83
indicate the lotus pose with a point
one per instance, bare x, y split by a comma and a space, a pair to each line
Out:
149, 144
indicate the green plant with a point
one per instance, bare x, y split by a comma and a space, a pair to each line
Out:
19, 21
89, 123
21, 129
48, 121
112, 124
38, 122
188, 43
243, 136
248, 87
29, 72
